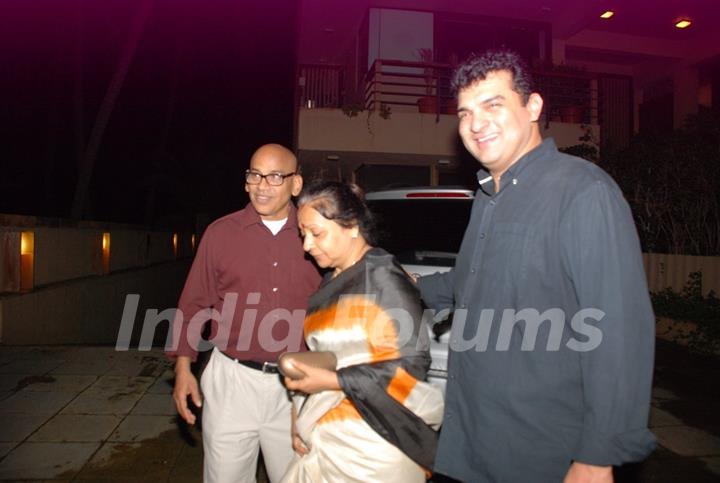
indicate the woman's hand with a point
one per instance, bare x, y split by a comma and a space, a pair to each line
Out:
315, 380
299, 445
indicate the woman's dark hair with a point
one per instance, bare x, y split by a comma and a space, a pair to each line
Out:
477, 67
342, 203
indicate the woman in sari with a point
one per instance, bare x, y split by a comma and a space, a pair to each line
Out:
374, 418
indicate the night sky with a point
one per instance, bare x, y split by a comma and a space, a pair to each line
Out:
209, 82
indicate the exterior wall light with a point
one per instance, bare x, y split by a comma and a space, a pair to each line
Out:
106, 252
607, 14
683, 23
27, 260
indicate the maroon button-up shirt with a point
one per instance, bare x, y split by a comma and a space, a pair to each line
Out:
253, 286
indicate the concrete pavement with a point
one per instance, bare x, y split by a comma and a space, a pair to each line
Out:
94, 414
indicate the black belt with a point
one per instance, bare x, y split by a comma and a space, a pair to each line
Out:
265, 367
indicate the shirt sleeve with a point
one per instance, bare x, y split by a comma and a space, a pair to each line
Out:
199, 294
438, 290
601, 255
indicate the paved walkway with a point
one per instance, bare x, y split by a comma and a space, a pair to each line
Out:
93, 414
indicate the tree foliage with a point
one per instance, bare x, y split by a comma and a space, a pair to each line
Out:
671, 182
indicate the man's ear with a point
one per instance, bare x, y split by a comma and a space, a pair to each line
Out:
297, 184
534, 106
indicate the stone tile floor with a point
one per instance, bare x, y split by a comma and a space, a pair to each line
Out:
80, 414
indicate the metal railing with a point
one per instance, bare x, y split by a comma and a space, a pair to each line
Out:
321, 85
403, 83
568, 97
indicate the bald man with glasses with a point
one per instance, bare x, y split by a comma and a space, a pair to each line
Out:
251, 278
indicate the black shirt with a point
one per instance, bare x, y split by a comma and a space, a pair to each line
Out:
551, 349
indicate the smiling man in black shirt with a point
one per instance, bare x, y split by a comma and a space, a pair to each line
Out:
551, 349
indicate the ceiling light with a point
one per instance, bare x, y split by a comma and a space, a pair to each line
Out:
683, 23
607, 14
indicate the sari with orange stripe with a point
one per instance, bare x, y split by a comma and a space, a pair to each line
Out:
382, 425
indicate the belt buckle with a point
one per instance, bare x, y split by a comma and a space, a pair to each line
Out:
269, 368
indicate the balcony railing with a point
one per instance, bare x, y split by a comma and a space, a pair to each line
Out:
321, 85
569, 97
425, 86
402, 85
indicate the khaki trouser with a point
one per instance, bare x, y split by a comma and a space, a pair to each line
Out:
244, 410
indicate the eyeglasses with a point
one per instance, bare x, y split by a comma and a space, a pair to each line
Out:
273, 179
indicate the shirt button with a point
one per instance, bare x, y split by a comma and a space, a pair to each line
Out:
275, 289
514, 181
463, 306
492, 202
274, 264
472, 270
482, 235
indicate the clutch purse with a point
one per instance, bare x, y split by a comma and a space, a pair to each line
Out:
322, 360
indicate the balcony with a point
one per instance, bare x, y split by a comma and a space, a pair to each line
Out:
404, 112
570, 97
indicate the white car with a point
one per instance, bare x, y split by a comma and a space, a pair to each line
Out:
423, 228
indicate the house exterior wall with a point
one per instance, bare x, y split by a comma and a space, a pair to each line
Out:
409, 133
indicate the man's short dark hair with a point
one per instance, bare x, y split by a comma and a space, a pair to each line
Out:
477, 67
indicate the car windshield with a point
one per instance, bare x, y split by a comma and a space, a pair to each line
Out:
422, 231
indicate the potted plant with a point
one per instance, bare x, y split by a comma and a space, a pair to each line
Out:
572, 114
568, 80
427, 103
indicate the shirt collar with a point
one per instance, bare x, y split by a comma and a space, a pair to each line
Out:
252, 218
515, 171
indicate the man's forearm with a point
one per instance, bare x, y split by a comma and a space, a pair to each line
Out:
182, 364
